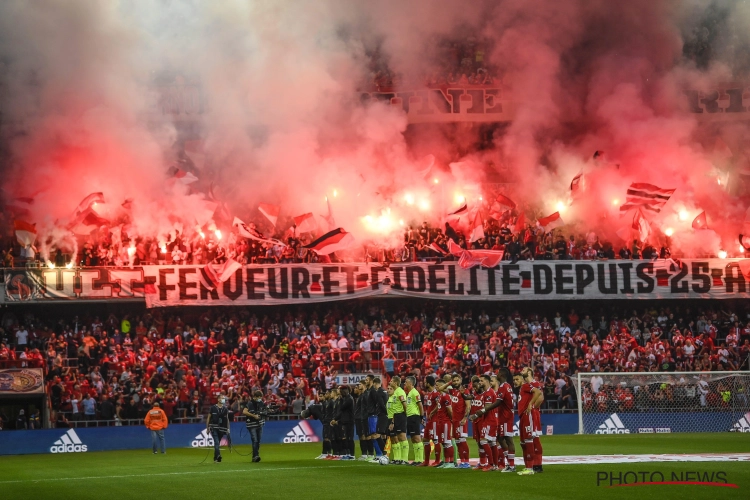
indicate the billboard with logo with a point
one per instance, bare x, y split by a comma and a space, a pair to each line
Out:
83, 439
21, 381
664, 422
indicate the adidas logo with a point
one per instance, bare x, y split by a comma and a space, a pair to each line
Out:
613, 425
302, 433
202, 440
68, 443
742, 425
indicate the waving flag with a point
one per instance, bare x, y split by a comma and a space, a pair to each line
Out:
646, 196
700, 222
87, 204
184, 177
250, 232
575, 184
332, 241
502, 204
472, 258
477, 228
25, 233
305, 223
435, 248
551, 221
212, 278
520, 223
463, 210
85, 219
271, 212
641, 225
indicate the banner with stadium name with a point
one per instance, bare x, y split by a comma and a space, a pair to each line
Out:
162, 286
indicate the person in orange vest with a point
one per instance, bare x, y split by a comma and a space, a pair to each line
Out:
156, 422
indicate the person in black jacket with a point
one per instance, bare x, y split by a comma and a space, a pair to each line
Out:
380, 399
360, 420
328, 407
315, 412
343, 421
371, 416
255, 412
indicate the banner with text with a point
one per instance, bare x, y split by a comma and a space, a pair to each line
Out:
163, 286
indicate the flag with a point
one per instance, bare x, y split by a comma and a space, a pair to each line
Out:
332, 241
271, 212
700, 222
329, 219
20, 207
520, 223
502, 204
212, 278
252, 233
646, 196
551, 221
305, 223
463, 210
87, 204
85, 219
184, 177
25, 233
435, 248
641, 225
477, 228
575, 184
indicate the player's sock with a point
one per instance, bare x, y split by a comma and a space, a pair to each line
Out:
381, 443
503, 459
449, 455
511, 459
419, 452
437, 452
537, 451
528, 454
489, 453
496, 452
376, 446
426, 452
482, 456
350, 443
326, 447
398, 450
463, 451
453, 445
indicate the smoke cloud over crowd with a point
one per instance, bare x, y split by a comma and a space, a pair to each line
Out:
274, 115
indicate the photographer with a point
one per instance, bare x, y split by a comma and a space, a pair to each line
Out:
217, 424
255, 411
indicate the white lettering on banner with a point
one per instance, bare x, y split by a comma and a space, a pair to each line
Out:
163, 286
351, 378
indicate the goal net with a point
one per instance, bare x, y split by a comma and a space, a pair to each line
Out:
630, 403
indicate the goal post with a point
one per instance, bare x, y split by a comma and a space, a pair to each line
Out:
661, 402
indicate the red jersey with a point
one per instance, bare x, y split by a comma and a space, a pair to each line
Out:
476, 403
443, 403
458, 404
524, 395
430, 402
505, 410
488, 397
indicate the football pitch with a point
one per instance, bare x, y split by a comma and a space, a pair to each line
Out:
289, 472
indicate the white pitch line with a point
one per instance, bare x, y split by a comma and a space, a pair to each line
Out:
217, 471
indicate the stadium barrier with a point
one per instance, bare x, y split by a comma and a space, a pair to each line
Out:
81, 440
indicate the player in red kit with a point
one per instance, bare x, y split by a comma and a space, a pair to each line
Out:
460, 410
504, 407
430, 401
487, 421
476, 406
444, 421
530, 397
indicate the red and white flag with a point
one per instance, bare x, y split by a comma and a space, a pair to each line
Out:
700, 222
85, 219
477, 228
471, 258
25, 233
212, 278
502, 204
435, 248
184, 177
551, 222
520, 223
249, 231
576, 183
332, 241
271, 212
305, 223
87, 204
641, 225
646, 196
463, 210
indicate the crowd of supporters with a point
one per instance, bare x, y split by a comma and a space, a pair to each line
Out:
423, 242
113, 368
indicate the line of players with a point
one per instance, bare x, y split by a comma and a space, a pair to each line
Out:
438, 416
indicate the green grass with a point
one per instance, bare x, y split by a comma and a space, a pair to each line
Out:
288, 472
